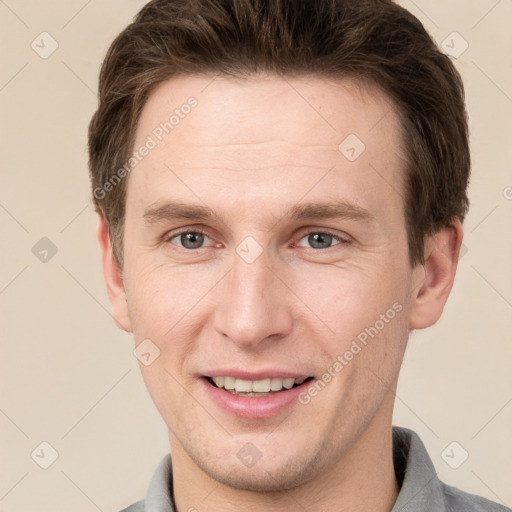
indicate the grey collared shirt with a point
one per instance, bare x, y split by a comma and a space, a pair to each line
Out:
420, 489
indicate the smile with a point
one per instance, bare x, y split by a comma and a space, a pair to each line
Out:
256, 388
262, 397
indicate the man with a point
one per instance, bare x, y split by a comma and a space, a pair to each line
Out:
281, 187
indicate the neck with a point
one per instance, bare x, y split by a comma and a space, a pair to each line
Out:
363, 479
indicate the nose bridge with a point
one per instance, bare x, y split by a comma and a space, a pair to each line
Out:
252, 306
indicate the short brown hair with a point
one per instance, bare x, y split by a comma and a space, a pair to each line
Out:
374, 40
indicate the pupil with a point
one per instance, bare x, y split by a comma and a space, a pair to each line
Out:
320, 240
192, 240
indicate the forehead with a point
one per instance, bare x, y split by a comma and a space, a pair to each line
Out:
266, 134
243, 109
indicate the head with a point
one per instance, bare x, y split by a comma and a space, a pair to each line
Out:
280, 187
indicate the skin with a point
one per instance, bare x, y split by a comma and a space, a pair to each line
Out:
250, 150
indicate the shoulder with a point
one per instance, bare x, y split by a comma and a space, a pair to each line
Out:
421, 490
135, 507
460, 501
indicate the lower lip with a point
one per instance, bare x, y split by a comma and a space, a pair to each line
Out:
259, 407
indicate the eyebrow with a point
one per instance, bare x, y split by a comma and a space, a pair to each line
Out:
175, 210
330, 210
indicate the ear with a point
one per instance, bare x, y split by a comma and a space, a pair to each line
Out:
438, 273
113, 277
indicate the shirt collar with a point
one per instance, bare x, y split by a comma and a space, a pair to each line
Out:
159, 495
421, 490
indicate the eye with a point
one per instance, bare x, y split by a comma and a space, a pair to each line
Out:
320, 240
189, 239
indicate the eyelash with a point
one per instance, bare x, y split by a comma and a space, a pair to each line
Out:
338, 238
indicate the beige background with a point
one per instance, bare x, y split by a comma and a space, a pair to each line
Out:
68, 375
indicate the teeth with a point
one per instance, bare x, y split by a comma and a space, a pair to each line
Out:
276, 384
288, 383
261, 386
243, 386
229, 383
256, 386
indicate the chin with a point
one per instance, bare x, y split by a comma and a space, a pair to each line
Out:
264, 476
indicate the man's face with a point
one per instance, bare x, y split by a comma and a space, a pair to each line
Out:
303, 258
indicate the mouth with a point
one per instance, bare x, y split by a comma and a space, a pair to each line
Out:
256, 395
256, 388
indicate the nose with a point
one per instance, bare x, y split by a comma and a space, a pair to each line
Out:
253, 305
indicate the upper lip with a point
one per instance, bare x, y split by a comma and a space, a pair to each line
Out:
259, 375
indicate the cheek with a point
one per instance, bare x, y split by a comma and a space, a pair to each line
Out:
348, 300
170, 306
161, 296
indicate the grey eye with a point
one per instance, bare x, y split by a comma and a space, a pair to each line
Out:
319, 240
190, 240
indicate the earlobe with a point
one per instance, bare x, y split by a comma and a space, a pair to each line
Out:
113, 277
437, 276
